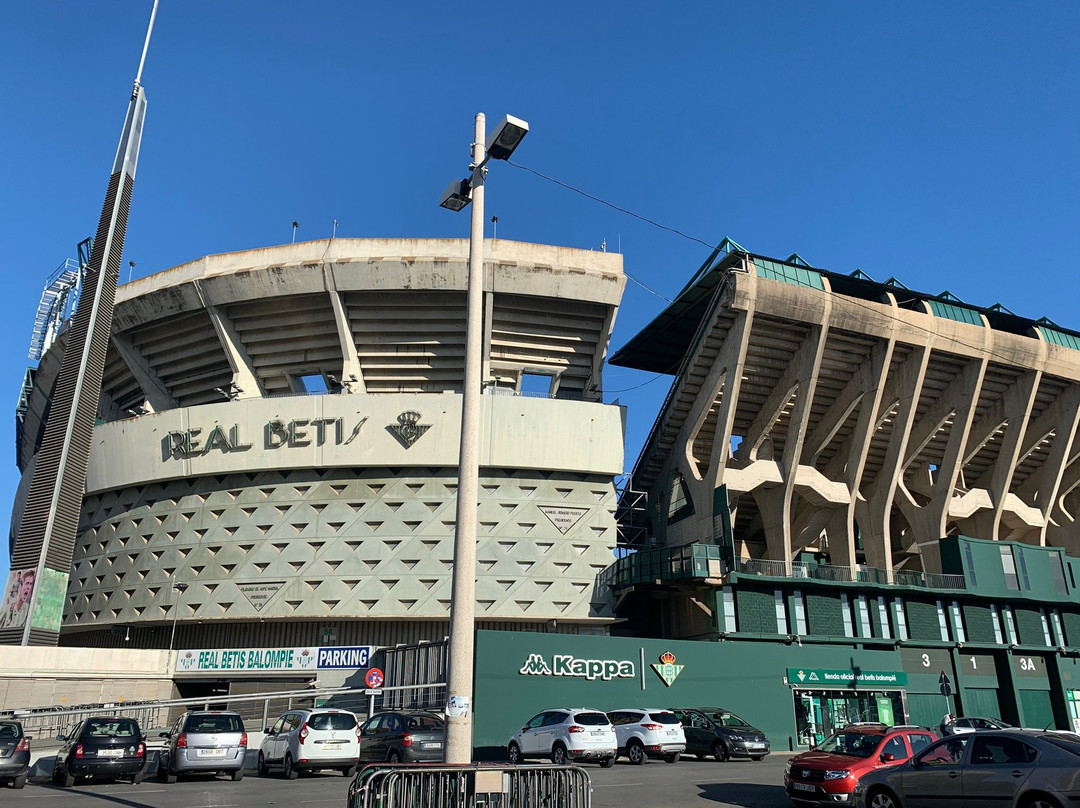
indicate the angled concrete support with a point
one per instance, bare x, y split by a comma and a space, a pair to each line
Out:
244, 380
157, 394
352, 374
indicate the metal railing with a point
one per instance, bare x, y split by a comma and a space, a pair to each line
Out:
470, 786
698, 561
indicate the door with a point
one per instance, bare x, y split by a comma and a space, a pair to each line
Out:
368, 738
1036, 709
996, 769
698, 731
933, 778
529, 744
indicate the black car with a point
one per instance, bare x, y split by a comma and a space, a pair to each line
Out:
410, 736
14, 753
720, 733
101, 746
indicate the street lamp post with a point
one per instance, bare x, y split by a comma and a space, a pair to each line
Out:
504, 139
180, 589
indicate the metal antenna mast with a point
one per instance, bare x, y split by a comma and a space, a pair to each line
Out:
45, 543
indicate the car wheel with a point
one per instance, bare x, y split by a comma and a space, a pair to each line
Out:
168, 775
394, 756
607, 763
700, 755
290, 771
513, 754
757, 757
19, 781
237, 775
263, 769
349, 771
137, 777
882, 798
636, 752
672, 758
719, 751
68, 780
1039, 801
558, 755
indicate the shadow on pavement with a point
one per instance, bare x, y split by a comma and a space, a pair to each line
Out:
749, 794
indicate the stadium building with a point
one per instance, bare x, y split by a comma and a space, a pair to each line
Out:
850, 477
275, 459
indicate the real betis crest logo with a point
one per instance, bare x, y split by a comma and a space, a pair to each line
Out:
408, 428
666, 668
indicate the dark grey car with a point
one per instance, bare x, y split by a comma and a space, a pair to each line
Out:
14, 753
406, 736
1005, 769
722, 734
202, 742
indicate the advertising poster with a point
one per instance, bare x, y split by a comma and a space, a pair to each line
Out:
49, 608
18, 594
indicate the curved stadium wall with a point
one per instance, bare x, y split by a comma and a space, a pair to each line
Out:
279, 430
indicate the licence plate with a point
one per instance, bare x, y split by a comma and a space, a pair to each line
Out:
755, 746
209, 752
331, 747
433, 745
803, 787
110, 753
596, 733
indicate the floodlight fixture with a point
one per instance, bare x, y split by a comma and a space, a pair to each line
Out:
457, 196
505, 137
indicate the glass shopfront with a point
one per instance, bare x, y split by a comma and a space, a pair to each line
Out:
819, 713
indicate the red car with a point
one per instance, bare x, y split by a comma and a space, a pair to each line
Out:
827, 775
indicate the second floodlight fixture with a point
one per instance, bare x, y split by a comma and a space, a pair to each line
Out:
457, 196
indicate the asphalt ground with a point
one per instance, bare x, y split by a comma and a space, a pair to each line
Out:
653, 785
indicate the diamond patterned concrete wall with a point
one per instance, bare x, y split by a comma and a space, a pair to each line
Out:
343, 543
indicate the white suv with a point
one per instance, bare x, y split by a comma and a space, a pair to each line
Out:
565, 734
306, 740
648, 733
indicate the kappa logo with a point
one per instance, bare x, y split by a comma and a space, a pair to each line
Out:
568, 665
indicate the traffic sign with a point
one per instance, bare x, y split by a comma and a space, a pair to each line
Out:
374, 678
946, 685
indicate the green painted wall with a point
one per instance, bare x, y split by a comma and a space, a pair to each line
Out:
747, 677
823, 614
922, 617
978, 623
756, 610
1029, 626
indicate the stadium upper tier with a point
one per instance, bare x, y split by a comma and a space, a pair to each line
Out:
279, 428
858, 420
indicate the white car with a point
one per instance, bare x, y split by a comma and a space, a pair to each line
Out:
565, 734
307, 740
974, 724
648, 733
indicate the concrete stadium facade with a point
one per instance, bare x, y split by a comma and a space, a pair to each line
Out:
856, 419
278, 429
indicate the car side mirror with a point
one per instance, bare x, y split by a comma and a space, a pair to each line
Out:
887, 757
524, 729
916, 763
269, 731
28, 738
164, 734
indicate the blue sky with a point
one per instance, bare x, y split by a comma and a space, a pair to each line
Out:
938, 142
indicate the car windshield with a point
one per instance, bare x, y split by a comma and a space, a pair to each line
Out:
726, 719
325, 721
853, 744
111, 728
663, 718
215, 723
423, 722
591, 719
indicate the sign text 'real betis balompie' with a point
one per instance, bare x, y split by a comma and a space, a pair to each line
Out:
272, 659
844, 677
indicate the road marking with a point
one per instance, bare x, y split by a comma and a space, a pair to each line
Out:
615, 785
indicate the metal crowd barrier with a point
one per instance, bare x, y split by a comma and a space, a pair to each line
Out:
470, 786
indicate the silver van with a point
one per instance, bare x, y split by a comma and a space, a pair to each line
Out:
204, 741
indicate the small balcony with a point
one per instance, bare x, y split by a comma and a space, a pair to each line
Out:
704, 562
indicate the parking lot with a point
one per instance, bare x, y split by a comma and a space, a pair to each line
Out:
653, 785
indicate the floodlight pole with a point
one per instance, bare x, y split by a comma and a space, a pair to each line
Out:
459, 719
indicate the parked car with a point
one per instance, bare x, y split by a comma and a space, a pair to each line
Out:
412, 736
828, 774
651, 733
564, 734
722, 734
309, 740
204, 741
974, 724
101, 746
1006, 768
14, 753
